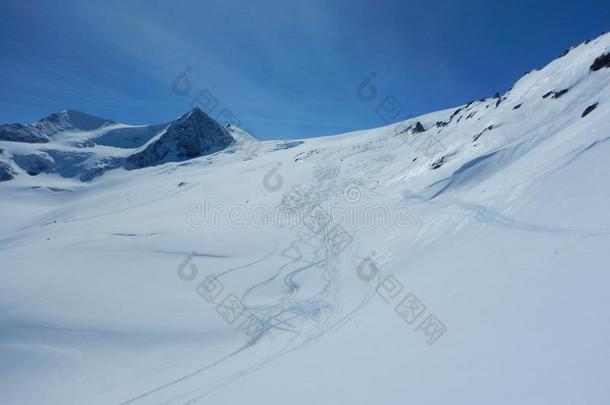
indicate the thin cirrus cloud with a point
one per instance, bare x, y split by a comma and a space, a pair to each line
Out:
236, 75
285, 69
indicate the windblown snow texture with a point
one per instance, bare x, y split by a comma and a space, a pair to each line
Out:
201, 275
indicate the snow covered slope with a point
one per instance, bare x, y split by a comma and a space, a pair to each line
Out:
457, 257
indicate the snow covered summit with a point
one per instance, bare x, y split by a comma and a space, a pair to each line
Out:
192, 135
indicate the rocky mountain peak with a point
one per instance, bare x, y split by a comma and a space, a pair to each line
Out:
191, 135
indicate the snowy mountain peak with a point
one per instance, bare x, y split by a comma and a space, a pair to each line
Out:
73, 119
196, 114
191, 135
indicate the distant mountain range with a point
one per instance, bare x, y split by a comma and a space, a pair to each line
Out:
74, 144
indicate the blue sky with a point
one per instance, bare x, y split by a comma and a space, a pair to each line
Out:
284, 69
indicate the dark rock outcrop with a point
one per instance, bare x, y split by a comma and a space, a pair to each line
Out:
437, 163
35, 163
601, 62
414, 128
6, 172
555, 94
192, 135
476, 137
456, 112
100, 167
418, 128
560, 93
589, 110
550, 93
21, 133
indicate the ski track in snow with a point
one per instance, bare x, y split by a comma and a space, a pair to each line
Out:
124, 231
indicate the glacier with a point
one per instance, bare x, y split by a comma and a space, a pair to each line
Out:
456, 257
